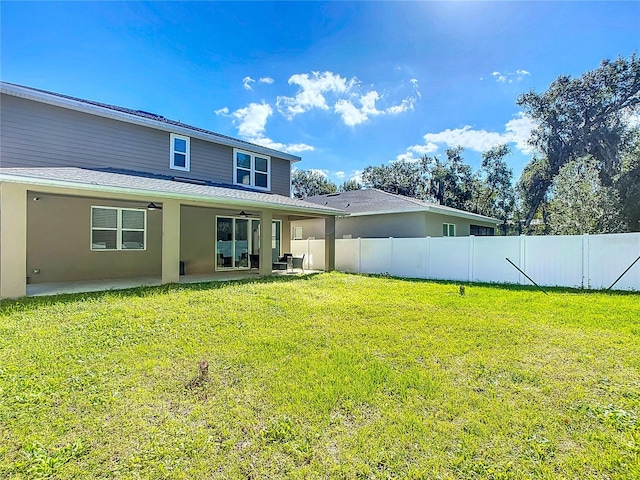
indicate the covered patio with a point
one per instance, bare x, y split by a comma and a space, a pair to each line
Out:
71, 229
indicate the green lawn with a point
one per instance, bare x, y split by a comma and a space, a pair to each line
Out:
328, 376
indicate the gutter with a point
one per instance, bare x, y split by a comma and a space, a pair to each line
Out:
433, 209
94, 187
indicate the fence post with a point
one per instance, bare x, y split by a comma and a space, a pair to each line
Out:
523, 255
390, 256
586, 281
359, 254
428, 272
471, 237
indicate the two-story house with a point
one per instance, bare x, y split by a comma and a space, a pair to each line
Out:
94, 191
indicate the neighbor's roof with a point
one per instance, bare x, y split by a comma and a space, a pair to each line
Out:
138, 117
372, 201
157, 188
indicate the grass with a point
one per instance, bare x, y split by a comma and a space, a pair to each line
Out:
329, 376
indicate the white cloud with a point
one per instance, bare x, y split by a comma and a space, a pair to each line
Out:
340, 174
251, 122
509, 77
252, 119
293, 148
222, 111
499, 77
324, 173
351, 115
357, 176
368, 102
267, 80
407, 104
419, 150
330, 91
246, 81
311, 92
414, 82
517, 131
466, 137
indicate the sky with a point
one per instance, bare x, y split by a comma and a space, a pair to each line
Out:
343, 85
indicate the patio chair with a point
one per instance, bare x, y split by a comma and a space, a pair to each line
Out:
284, 257
298, 262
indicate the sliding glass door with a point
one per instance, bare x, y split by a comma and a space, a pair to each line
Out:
238, 239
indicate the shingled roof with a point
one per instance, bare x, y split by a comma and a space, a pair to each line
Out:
372, 201
157, 187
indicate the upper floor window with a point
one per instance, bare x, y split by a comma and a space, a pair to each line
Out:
118, 228
251, 169
180, 153
448, 230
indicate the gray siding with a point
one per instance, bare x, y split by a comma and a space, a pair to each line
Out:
397, 225
280, 176
35, 134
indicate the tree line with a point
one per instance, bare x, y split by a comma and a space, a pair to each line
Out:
584, 176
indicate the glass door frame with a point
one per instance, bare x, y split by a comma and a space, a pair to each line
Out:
250, 247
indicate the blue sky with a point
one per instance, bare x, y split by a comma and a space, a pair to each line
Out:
343, 85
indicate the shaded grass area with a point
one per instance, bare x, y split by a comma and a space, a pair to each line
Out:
329, 376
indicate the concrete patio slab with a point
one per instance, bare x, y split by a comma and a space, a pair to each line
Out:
43, 289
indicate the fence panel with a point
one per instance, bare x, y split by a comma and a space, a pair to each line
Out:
376, 255
609, 256
348, 255
554, 260
313, 251
449, 258
409, 257
589, 261
489, 259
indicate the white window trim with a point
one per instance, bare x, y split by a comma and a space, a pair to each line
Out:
187, 161
118, 230
297, 233
450, 225
252, 170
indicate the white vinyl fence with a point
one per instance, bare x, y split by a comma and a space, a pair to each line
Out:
581, 261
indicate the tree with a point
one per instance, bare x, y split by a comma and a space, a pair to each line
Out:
577, 117
350, 185
401, 177
629, 185
451, 182
494, 195
580, 203
307, 183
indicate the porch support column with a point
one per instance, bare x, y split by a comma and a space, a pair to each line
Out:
13, 240
330, 243
170, 241
266, 218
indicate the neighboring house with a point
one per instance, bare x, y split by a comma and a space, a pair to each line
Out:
377, 214
93, 191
